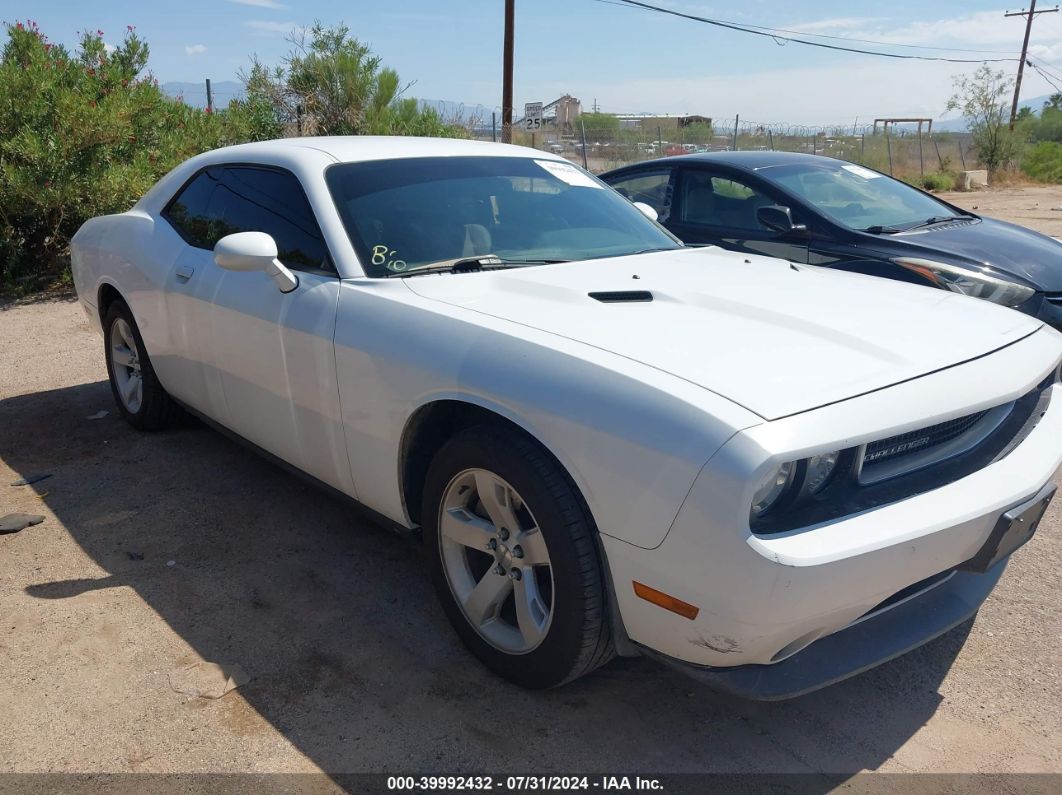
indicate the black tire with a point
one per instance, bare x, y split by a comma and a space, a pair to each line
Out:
579, 637
157, 409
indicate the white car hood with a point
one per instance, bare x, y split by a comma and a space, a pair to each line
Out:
776, 338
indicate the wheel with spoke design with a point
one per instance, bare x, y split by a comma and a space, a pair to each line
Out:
514, 560
137, 391
125, 362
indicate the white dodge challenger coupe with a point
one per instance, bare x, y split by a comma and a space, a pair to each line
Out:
768, 475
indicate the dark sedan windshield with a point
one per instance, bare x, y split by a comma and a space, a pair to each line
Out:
402, 214
857, 197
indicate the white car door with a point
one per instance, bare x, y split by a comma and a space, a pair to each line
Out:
189, 289
266, 359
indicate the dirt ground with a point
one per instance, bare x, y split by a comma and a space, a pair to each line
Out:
160, 551
1036, 206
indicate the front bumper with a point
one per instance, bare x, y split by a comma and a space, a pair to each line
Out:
859, 647
764, 601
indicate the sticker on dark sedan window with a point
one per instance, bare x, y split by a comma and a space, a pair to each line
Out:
859, 171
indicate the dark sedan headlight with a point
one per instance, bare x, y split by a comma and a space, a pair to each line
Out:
968, 282
793, 480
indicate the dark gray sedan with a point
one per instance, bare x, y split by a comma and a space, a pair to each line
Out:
823, 211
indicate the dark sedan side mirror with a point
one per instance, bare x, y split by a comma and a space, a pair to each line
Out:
779, 219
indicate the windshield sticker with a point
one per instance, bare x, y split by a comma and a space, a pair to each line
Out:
859, 171
567, 172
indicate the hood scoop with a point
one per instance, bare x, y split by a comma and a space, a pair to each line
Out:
623, 297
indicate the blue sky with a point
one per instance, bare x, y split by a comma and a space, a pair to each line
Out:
627, 59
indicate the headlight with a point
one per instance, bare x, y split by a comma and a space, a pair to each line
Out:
796, 479
967, 282
773, 488
819, 470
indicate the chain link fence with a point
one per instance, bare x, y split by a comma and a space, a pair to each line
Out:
603, 142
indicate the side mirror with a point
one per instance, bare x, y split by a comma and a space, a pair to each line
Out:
647, 211
778, 219
254, 251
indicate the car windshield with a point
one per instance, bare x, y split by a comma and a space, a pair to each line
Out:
857, 197
410, 213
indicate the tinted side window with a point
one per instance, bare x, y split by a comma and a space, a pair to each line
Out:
263, 200
222, 202
709, 200
652, 188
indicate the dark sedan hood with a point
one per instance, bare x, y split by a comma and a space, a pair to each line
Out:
1007, 248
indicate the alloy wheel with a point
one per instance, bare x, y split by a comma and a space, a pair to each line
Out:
125, 364
496, 561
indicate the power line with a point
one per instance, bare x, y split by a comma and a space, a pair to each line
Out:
1050, 68
1045, 76
844, 38
780, 38
881, 43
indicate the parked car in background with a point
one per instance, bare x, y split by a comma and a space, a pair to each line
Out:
823, 211
770, 476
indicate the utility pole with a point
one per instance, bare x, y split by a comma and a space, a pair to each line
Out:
1032, 12
210, 97
507, 73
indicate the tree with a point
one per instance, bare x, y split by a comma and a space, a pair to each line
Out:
84, 134
600, 126
333, 84
982, 99
1054, 102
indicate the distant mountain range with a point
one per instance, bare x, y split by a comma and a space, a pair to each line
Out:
959, 125
194, 94
225, 90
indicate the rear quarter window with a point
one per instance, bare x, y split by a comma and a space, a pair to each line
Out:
188, 212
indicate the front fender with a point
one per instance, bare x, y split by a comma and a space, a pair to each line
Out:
633, 439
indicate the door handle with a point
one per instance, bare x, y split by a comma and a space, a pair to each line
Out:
184, 272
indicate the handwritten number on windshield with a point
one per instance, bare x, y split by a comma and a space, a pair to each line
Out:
381, 255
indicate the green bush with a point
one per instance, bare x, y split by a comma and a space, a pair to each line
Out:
1044, 162
87, 133
84, 134
938, 180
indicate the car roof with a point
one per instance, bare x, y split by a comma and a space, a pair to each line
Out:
749, 161
357, 148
